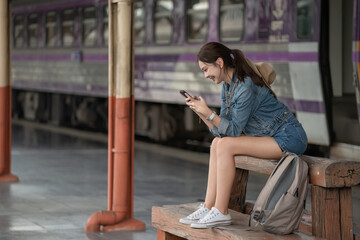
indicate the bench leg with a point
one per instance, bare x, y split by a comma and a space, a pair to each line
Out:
161, 235
332, 213
238, 191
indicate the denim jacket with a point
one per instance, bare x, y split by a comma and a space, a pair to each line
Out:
253, 111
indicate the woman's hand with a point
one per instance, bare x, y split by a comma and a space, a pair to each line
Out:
199, 106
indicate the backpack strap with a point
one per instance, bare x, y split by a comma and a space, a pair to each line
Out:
284, 155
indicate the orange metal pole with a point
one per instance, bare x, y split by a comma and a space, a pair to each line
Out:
119, 215
5, 93
111, 132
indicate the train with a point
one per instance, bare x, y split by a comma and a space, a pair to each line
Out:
60, 62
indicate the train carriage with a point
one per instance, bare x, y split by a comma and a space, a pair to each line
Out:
60, 61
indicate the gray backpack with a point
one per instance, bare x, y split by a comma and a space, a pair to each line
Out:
280, 204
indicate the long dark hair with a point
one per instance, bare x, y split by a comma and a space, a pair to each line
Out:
233, 58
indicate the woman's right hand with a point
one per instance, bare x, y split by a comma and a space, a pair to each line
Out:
199, 106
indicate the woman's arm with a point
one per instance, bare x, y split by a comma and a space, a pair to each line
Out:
200, 107
210, 124
240, 110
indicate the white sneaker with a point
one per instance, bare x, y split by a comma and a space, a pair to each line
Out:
195, 216
212, 219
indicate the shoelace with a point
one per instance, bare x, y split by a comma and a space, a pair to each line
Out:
212, 214
198, 212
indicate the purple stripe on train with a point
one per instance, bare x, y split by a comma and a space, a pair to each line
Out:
303, 105
309, 106
356, 56
268, 56
95, 58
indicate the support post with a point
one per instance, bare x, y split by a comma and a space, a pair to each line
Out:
119, 215
331, 213
161, 235
238, 191
5, 93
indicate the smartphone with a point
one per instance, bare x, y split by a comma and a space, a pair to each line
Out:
182, 92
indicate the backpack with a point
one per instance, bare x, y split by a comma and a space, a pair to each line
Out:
280, 204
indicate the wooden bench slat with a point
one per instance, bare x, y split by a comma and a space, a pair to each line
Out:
166, 218
323, 172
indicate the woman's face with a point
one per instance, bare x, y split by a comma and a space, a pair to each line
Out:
212, 71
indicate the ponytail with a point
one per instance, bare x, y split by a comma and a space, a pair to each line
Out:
243, 69
233, 58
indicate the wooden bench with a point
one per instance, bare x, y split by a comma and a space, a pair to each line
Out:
331, 204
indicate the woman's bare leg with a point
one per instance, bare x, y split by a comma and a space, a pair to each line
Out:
227, 148
211, 186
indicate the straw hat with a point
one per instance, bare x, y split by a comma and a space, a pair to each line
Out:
263, 70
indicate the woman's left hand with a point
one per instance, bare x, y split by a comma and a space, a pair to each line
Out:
199, 106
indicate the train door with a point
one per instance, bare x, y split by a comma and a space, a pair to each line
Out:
345, 123
311, 102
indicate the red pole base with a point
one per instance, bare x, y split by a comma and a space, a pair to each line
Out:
9, 178
130, 224
112, 221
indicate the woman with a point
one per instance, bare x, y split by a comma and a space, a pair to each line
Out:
251, 122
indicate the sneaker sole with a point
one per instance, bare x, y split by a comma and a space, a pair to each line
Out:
211, 225
218, 224
188, 223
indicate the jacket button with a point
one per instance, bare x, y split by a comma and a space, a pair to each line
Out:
285, 112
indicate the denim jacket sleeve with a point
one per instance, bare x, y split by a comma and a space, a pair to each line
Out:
239, 111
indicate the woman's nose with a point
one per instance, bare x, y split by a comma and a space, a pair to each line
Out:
206, 75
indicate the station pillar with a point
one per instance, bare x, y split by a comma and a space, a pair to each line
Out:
119, 215
5, 93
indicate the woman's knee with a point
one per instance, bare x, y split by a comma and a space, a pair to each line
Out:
225, 146
225, 155
214, 143
225, 151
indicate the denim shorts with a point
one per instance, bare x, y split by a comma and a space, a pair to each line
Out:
291, 137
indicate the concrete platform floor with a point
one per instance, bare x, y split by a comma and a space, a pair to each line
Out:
63, 180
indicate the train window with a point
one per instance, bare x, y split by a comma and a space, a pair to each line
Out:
105, 25
163, 26
67, 27
51, 29
139, 26
231, 25
305, 11
197, 19
19, 31
89, 26
33, 30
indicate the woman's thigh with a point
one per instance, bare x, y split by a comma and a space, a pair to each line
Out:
261, 147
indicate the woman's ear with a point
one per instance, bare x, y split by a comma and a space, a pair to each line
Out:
220, 62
